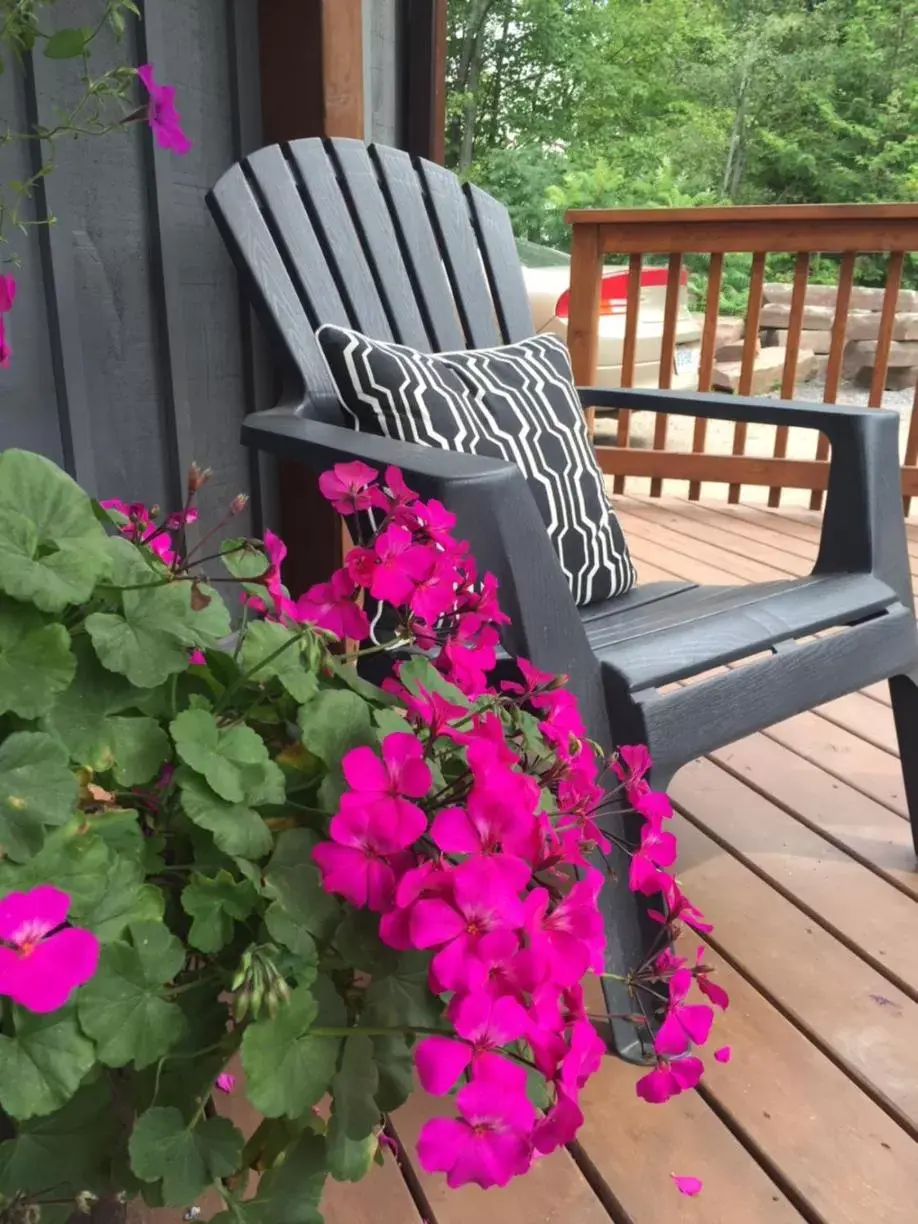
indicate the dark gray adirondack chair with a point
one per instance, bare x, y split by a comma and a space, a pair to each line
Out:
335, 232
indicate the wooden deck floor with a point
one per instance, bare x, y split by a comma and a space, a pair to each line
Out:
795, 843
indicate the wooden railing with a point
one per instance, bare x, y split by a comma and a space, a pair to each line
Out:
844, 231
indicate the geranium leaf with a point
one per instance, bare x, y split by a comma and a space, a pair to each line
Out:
214, 903
42, 1066
420, 673
140, 748
149, 639
67, 1149
232, 758
186, 1160
243, 558
354, 1088
293, 879
349, 1160
395, 1068
285, 930
36, 789
52, 549
263, 640
237, 829
403, 998
126, 900
36, 663
287, 1068
122, 1008
78, 863
288, 1193
332, 723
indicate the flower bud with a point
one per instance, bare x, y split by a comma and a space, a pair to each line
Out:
197, 478
239, 503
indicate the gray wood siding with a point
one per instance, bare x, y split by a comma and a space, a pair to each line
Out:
133, 354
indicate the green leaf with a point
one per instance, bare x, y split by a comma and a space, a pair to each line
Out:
395, 1068
122, 1008
79, 717
349, 1160
36, 663
389, 721
214, 903
186, 1161
289, 1193
233, 759
420, 673
357, 940
291, 934
126, 900
403, 998
332, 723
243, 558
237, 829
67, 1149
287, 1069
42, 1066
263, 639
140, 747
52, 550
293, 879
36, 789
149, 639
354, 1088
78, 863
66, 44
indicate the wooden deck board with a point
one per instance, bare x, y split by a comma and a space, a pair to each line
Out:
796, 844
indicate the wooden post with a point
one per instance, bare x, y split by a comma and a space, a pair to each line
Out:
424, 92
583, 323
311, 61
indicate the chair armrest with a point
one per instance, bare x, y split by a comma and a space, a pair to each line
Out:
863, 529
495, 512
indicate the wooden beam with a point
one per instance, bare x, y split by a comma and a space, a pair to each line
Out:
311, 62
726, 469
423, 24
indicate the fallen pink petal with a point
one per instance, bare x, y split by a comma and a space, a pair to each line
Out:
689, 1186
226, 1082
724, 1054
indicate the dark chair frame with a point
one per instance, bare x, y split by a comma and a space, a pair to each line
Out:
337, 232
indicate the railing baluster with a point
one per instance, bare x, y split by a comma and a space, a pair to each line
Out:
836, 355
750, 343
667, 355
791, 357
629, 351
887, 323
706, 364
583, 319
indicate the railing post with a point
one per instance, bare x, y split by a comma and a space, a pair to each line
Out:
583, 322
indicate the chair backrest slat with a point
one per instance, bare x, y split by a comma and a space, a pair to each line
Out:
459, 245
370, 209
330, 231
340, 238
399, 181
508, 288
275, 298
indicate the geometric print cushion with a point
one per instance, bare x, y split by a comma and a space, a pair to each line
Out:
517, 403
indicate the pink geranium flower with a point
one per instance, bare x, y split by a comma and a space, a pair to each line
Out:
484, 1024
482, 901
680, 909
7, 297
388, 569
363, 859
714, 992
571, 935
489, 1143
685, 1023
162, 115
657, 851
276, 551
668, 1080
332, 606
386, 787
350, 487
41, 961
631, 768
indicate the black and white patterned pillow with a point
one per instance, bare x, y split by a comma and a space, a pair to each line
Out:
517, 403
